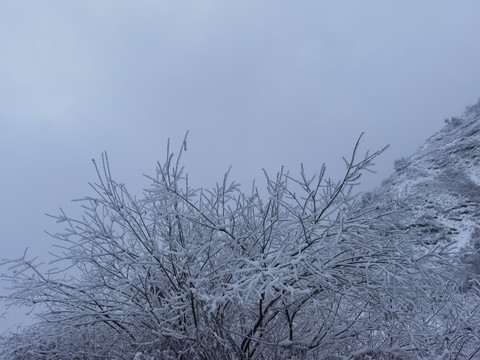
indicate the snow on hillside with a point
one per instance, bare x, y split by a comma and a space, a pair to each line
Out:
439, 185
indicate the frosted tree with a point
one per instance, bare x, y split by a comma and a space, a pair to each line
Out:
302, 270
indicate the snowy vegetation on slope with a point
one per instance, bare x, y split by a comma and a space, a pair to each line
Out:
442, 182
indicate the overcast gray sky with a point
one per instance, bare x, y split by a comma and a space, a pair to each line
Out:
258, 84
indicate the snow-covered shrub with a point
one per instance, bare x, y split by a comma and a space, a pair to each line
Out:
416, 172
452, 123
458, 182
473, 109
306, 271
388, 181
400, 164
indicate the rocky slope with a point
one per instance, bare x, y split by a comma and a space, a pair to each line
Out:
437, 189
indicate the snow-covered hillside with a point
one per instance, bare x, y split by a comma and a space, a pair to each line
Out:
438, 187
